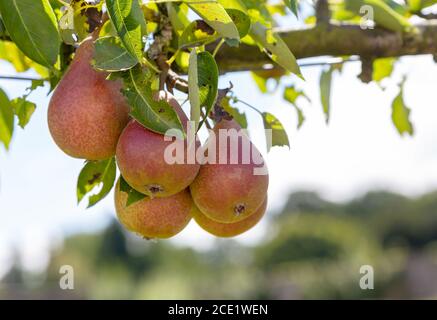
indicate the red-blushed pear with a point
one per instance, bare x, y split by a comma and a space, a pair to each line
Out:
87, 113
158, 218
227, 230
144, 160
233, 182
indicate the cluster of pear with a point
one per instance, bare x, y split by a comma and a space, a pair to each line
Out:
89, 119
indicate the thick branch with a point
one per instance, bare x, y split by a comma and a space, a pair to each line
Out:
335, 40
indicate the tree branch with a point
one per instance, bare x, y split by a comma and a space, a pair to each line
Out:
335, 40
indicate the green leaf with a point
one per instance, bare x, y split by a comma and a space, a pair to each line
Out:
233, 4
197, 33
193, 89
291, 94
23, 109
111, 55
74, 24
325, 92
10, 52
261, 82
383, 68
401, 114
241, 21
275, 48
128, 19
132, 194
35, 84
157, 116
279, 135
32, 26
292, 5
216, 16
93, 174
6, 120
178, 16
300, 117
207, 77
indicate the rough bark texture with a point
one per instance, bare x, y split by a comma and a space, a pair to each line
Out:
335, 40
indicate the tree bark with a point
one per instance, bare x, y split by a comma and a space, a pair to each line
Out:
335, 40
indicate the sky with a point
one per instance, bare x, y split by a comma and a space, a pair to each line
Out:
358, 151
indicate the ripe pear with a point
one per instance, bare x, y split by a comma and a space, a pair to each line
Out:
227, 230
154, 218
230, 190
141, 158
87, 112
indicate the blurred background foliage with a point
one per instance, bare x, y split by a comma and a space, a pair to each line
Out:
312, 249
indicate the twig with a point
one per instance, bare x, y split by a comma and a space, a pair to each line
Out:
22, 78
323, 13
248, 105
427, 16
207, 124
161, 61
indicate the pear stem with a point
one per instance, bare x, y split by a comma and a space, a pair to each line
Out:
217, 48
248, 105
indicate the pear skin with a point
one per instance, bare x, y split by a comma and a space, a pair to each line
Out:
230, 192
228, 230
158, 218
87, 113
142, 163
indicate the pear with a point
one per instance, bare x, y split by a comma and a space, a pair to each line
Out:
231, 189
141, 157
227, 230
87, 113
159, 218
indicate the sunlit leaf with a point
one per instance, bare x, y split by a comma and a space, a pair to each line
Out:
261, 82
401, 114
207, 75
275, 48
241, 20
23, 109
383, 68
193, 89
292, 5
32, 26
6, 120
157, 116
325, 92
128, 19
278, 134
291, 94
178, 14
110, 55
216, 16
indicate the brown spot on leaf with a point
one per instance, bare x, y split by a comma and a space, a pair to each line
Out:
95, 178
203, 26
